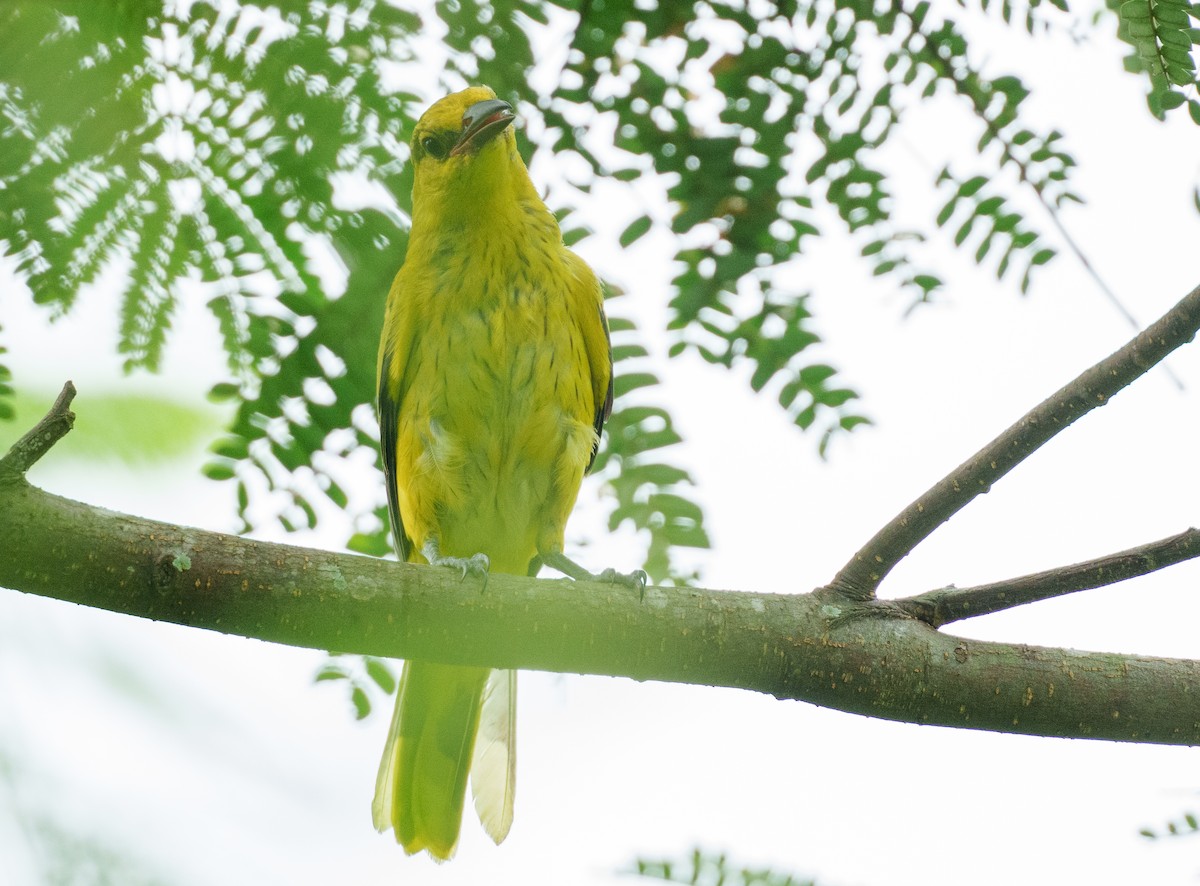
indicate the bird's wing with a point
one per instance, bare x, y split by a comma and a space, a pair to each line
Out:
603, 404
587, 308
389, 420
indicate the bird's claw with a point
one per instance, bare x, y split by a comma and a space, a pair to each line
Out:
636, 579
477, 564
557, 560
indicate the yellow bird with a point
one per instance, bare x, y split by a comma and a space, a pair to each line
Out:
495, 378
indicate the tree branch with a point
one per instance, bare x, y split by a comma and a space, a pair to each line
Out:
945, 605
23, 454
866, 658
859, 579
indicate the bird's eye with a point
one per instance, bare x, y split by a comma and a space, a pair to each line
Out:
434, 147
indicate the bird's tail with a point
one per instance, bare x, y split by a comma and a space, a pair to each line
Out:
422, 779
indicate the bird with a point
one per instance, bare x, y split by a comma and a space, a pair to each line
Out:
494, 381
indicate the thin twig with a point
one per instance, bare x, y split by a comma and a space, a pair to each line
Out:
859, 578
25, 453
1023, 175
945, 605
1100, 282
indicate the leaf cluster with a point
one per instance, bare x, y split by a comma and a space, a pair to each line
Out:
706, 868
1162, 35
1187, 825
253, 155
765, 120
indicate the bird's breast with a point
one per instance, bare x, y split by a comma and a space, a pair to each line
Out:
500, 404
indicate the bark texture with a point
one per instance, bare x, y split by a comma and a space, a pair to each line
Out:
863, 657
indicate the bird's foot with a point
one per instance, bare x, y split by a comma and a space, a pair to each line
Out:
559, 561
476, 564
636, 579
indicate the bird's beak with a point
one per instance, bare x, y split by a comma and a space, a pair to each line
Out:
482, 122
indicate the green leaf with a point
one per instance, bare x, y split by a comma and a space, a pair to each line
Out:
637, 228
631, 381
972, 186
1135, 10
378, 670
989, 206
330, 672
219, 471
1170, 100
1166, 16
224, 392
362, 704
373, 544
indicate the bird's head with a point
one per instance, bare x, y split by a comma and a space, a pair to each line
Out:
465, 155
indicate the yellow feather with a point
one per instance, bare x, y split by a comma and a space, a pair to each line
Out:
494, 764
495, 376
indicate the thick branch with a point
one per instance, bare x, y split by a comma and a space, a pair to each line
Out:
859, 578
23, 454
867, 658
945, 605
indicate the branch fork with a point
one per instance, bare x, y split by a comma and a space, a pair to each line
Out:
860, 578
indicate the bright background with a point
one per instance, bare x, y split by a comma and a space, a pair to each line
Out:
197, 758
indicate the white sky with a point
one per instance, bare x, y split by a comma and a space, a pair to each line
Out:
220, 762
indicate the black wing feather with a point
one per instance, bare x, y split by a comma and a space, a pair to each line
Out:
389, 415
603, 410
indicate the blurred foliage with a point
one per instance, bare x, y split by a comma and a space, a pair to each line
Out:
363, 675
1186, 825
7, 412
127, 425
705, 868
252, 153
55, 853
69, 859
